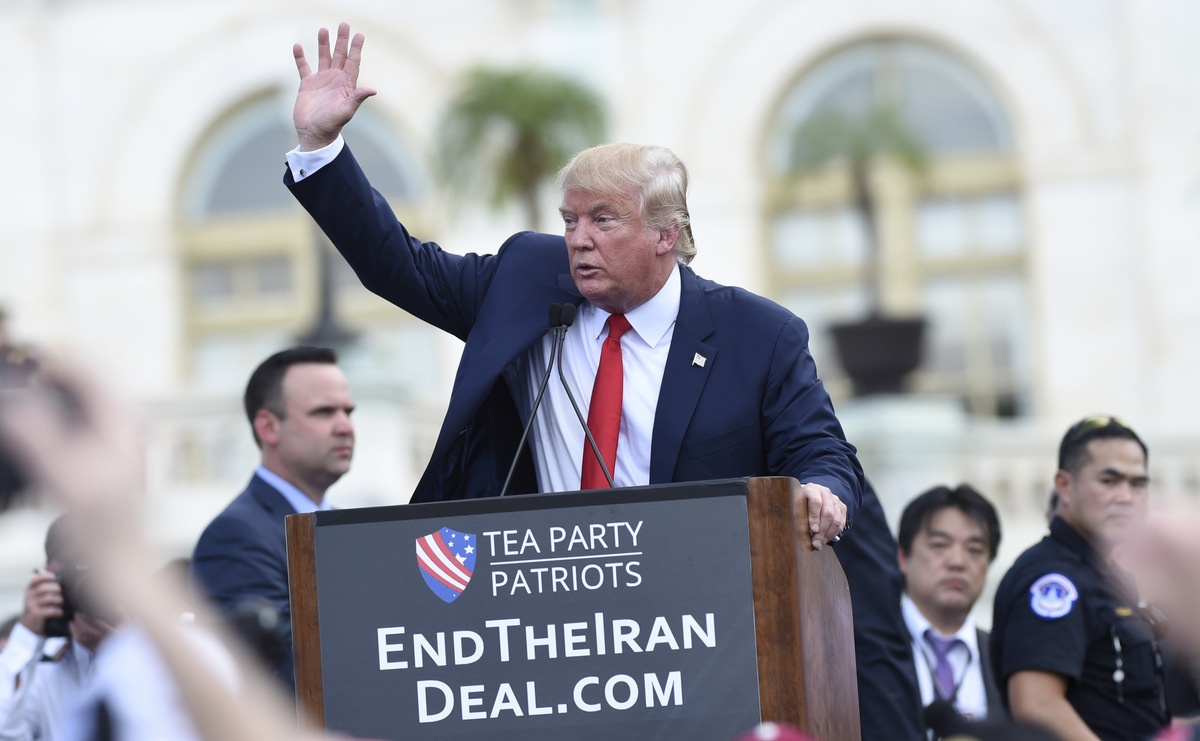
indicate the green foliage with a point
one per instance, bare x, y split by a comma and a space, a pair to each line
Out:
855, 141
508, 132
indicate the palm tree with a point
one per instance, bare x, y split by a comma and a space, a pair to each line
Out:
877, 352
508, 132
858, 143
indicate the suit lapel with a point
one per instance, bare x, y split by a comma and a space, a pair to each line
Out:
689, 363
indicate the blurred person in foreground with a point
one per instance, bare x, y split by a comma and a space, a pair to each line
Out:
58, 604
17, 367
688, 380
948, 538
298, 404
1071, 647
160, 680
1164, 559
24, 635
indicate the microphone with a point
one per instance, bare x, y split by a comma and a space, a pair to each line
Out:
568, 318
559, 328
941, 717
569, 311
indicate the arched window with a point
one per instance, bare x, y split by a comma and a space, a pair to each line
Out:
249, 275
952, 238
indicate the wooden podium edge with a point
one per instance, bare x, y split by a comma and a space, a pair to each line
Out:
306, 633
803, 622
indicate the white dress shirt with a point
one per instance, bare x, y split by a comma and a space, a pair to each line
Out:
23, 645
298, 499
45, 692
971, 699
558, 439
141, 693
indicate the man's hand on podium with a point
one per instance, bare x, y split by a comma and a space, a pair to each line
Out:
826, 514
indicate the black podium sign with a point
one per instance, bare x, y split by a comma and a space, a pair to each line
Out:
596, 615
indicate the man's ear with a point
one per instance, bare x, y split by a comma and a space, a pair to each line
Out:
667, 238
266, 426
902, 559
1062, 485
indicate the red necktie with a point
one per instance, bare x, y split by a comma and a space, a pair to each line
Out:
604, 413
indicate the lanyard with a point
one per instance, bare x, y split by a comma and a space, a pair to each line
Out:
1118, 674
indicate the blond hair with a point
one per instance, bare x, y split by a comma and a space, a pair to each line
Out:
655, 173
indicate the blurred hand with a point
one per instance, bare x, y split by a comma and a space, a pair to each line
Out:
79, 445
329, 97
1164, 560
84, 449
88, 631
826, 514
43, 599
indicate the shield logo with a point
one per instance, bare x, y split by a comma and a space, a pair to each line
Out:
446, 558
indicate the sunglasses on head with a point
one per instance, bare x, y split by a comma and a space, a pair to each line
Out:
1084, 427
1095, 422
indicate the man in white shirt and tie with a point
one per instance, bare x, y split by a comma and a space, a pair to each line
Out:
947, 540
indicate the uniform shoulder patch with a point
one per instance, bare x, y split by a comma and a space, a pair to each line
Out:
1052, 596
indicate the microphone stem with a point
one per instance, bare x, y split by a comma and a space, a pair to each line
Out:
555, 342
586, 431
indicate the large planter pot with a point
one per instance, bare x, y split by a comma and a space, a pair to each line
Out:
878, 352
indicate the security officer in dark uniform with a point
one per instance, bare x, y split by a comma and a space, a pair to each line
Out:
1071, 651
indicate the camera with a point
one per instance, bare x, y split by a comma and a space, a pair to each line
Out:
72, 580
75, 580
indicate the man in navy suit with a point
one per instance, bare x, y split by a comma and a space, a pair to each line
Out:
718, 382
299, 405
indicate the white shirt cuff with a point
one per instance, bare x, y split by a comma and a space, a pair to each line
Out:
25, 638
303, 164
23, 647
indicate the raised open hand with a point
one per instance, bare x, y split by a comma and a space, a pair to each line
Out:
329, 97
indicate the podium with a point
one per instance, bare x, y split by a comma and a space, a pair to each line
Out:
688, 610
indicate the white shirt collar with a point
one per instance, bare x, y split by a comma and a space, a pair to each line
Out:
651, 320
298, 499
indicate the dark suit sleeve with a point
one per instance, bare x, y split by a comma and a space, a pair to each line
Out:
235, 561
889, 700
438, 287
803, 437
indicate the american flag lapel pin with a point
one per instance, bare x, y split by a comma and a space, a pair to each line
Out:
699, 360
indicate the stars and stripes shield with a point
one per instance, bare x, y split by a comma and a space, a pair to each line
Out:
446, 558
